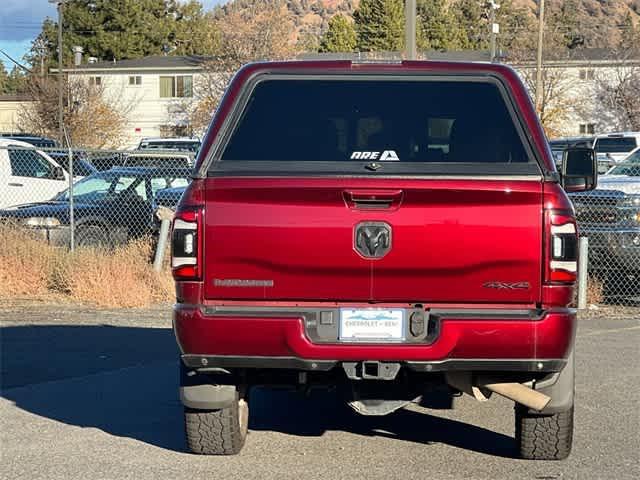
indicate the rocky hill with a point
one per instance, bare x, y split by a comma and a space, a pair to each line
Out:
601, 23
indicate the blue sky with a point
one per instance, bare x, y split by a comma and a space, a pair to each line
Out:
21, 20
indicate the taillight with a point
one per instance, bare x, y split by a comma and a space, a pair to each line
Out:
561, 247
186, 244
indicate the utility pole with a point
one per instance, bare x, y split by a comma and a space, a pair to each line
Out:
59, 4
410, 29
60, 85
495, 28
539, 86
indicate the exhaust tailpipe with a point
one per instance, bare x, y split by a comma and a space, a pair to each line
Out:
482, 388
520, 394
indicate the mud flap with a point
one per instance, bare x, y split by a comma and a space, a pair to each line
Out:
560, 387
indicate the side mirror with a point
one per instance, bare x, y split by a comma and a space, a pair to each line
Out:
579, 169
58, 173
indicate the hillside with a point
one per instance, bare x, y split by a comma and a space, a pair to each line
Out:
601, 23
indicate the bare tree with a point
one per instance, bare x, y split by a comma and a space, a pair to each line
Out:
617, 95
92, 120
556, 104
262, 32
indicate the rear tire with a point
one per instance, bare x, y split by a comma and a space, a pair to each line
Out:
544, 437
217, 432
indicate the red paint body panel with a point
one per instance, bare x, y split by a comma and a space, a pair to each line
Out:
450, 238
548, 338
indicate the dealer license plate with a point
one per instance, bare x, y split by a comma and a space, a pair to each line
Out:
371, 324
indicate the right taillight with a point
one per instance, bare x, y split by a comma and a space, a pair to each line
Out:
561, 247
186, 248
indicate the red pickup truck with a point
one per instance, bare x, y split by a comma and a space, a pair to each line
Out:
379, 229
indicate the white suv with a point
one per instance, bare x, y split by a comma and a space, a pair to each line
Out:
28, 174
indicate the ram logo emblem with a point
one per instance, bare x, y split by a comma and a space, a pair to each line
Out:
373, 239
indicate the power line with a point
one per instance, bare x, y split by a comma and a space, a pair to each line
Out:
15, 61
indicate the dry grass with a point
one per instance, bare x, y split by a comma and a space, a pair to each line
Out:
595, 291
29, 267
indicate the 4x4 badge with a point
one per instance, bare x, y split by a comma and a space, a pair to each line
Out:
372, 239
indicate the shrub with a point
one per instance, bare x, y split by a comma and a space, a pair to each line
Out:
122, 277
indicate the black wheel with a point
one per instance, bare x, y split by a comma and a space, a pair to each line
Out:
544, 437
217, 432
92, 236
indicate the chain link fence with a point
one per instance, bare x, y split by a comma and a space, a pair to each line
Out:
98, 198
610, 218
90, 198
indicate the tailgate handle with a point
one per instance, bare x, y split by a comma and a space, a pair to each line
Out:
373, 199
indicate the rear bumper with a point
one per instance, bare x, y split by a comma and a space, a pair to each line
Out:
467, 340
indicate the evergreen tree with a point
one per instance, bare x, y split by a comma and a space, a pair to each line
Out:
565, 20
439, 29
630, 35
471, 16
4, 80
12, 83
340, 37
379, 25
121, 29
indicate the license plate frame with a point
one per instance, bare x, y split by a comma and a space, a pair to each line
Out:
354, 323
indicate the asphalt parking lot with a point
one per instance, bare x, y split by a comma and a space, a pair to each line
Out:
92, 395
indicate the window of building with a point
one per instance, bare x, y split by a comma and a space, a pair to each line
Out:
95, 81
587, 74
176, 87
135, 80
587, 128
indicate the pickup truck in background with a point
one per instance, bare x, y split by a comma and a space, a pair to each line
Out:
379, 229
610, 217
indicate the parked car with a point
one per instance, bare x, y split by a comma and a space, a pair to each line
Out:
35, 140
378, 229
158, 159
110, 207
81, 165
106, 160
27, 174
615, 147
169, 197
610, 217
186, 144
558, 146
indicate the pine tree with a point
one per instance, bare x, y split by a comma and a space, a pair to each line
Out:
439, 28
4, 79
121, 29
340, 37
379, 25
630, 35
471, 15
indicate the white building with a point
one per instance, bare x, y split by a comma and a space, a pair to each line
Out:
150, 90
153, 91
10, 108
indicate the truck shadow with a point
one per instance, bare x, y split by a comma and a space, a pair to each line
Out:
123, 381
292, 413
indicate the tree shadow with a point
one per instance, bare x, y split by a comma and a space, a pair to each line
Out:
124, 381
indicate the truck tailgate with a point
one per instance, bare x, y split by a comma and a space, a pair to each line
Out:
451, 240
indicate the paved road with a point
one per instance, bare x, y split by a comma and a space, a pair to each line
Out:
89, 395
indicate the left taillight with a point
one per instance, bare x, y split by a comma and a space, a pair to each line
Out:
186, 244
562, 247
